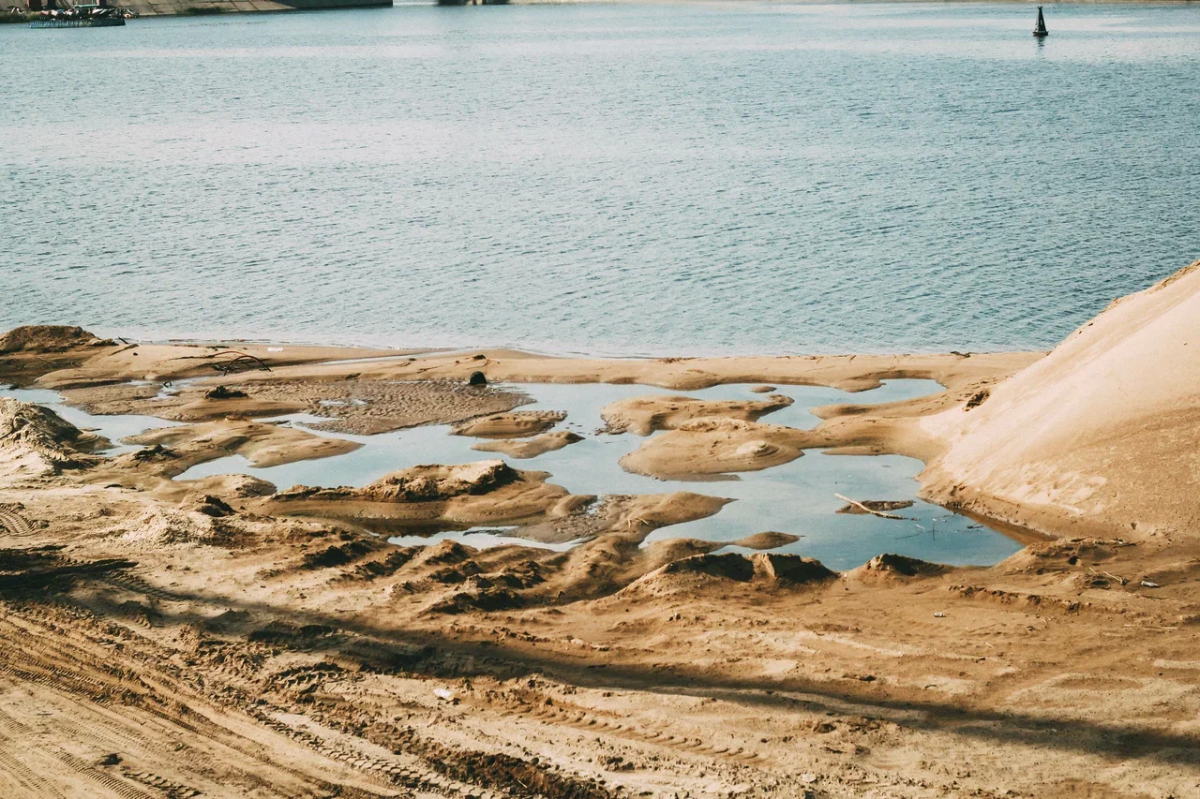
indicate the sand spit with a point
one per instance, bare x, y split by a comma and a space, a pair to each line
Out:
349, 405
846, 372
530, 447
174, 450
510, 425
487, 492
644, 415
287, 651
35, 441
717, 446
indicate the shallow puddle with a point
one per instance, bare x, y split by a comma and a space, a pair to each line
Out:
797, 498
114, 428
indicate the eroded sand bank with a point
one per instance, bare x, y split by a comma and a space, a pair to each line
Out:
266, 632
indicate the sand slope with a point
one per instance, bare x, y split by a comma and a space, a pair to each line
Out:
1101, 436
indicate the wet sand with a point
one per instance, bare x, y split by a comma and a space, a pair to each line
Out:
288, 650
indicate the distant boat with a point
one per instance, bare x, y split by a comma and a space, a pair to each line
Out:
1040, 29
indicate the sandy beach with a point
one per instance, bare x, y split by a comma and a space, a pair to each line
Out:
229, 637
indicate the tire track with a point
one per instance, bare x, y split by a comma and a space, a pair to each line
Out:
581, 720
15, 524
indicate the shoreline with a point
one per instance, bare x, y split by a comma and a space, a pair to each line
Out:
842, 428
200, 8
534, 349
224, 609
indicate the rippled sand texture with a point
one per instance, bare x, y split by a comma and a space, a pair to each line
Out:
627, 179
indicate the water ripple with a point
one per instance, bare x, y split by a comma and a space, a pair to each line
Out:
615, 179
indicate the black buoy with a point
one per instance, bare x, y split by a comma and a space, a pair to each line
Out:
1040, 29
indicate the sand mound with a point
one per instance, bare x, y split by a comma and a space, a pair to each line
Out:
44, 338
36, 441
1102, 435
510, 425
431, 483
207, 505
789, 568
441, 554
761, 567
1058, 554
892, 567
486, 492
768, 540
729, 567
240, 486
418, 484
716, 446
644, 415
164, 528
532, 447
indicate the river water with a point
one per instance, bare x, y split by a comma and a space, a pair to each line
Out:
717, 177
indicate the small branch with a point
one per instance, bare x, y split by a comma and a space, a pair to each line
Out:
865, 509
1110, 575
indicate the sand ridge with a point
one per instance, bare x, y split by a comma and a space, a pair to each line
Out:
1104, 432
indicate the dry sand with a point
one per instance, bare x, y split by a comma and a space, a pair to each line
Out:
643, 415
1103, 435
215, 638
530, 447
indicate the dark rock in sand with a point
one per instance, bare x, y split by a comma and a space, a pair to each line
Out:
220, 393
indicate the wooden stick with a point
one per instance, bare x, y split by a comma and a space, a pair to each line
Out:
865, 509
1116, 577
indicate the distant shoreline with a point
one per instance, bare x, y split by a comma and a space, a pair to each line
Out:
197, 8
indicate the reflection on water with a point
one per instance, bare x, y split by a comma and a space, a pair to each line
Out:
666, 178
478, 537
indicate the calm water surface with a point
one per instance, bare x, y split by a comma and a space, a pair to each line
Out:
617, 179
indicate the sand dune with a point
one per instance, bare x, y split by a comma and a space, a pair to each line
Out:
1102, 436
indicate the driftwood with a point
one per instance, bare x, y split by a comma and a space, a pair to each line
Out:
865, 509
225, 367
1110, 575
